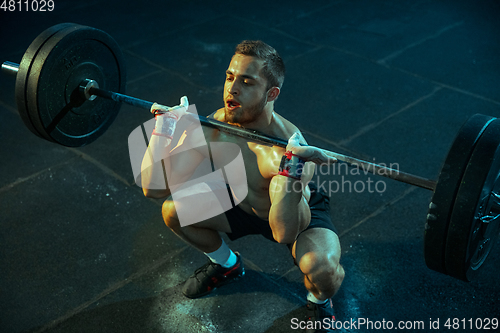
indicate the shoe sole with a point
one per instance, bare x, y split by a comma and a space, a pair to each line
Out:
215, 288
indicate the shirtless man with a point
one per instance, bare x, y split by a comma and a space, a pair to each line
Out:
299, 218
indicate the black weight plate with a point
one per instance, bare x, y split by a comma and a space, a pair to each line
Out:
56, 107
438, 217
24, 70
469, 237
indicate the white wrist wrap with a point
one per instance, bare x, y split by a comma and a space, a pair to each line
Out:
165, 125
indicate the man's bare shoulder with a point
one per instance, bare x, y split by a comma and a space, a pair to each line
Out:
211, 133
285, 127
218, 115
280, 126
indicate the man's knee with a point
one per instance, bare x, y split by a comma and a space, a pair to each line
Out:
322, 265
169, 214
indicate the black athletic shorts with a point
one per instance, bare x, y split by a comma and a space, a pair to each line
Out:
243, 224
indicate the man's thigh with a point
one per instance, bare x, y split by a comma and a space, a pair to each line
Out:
218, 222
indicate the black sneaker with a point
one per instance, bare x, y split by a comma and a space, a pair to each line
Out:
317, 313
211, 276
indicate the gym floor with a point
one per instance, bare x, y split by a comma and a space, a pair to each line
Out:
387, 81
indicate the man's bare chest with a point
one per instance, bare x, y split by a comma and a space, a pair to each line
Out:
260, 162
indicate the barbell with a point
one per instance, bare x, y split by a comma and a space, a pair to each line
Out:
71, 81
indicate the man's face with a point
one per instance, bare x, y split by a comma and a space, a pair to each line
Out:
245, 93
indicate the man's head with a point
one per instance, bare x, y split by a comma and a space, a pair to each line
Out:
273, 68
253, 81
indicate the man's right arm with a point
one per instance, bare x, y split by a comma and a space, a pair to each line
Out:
164, 167
172, 167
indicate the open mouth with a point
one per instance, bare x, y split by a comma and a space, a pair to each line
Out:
231, 104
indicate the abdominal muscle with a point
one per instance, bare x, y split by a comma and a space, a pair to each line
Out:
258, 203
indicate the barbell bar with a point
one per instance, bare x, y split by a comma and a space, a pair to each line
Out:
89, 88
71, 81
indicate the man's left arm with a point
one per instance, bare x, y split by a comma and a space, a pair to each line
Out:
290, 213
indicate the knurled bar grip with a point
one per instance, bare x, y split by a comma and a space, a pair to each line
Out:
117, 97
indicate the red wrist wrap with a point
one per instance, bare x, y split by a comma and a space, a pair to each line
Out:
291, 165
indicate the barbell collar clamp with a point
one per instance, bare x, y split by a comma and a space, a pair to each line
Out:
85, 87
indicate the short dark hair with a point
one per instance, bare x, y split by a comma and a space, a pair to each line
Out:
274, 67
